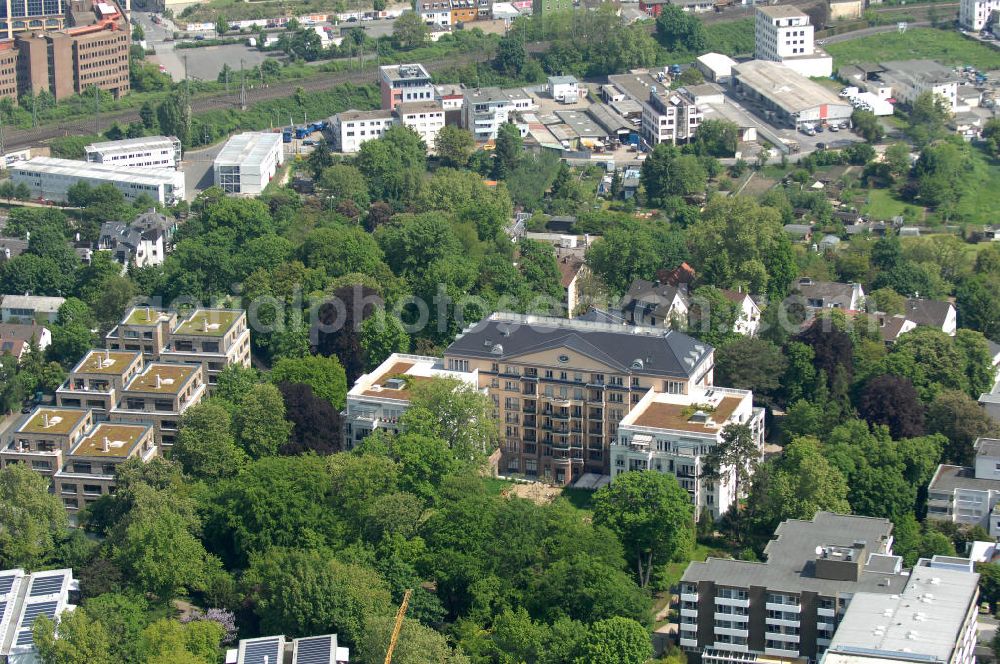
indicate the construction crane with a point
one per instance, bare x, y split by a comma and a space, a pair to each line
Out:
398, 626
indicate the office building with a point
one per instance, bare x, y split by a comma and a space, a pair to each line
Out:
564, 88
424, 117
21, 15
789, 606
932, 621
281, 650
908, 79
88, 471
485, 110
145, 152
406, 83
561, 387
213, 338
69, 61
141, 242
968, 495
50, 179
673, 433
352, 128
45, 437
378, 399
788, 97
975, 14
96, 382
248, 162
159, 395
24, 597
29, 308
784, 34
668, 116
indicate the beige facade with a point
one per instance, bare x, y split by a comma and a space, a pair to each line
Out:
45, 437
89, 470
846, 9
98, 379
214, 338
562, 387
143, 329
159, 395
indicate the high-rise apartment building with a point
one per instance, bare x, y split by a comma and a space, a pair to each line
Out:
789, 606
561, 387
784, 34
975, 14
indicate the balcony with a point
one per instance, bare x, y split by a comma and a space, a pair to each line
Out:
778, 636
781, 652
826, 613
729, 631
727, 601
778, 622
690, 613
734, 617
688, 643
788, 608
689, 597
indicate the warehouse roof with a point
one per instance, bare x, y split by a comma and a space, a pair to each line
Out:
247, 147
128, 144
83, 169
784, 87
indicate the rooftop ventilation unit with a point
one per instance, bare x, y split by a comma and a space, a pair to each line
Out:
395, 384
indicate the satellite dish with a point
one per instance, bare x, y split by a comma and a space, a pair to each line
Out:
819, 550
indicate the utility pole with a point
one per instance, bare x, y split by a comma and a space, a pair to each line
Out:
243, 88
34, 112
97, 110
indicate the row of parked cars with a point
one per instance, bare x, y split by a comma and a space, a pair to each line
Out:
812, 130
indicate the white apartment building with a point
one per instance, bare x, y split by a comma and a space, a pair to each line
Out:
564, 88
24, 597
672, 434
408, 82
145, 152
424, 117
974, 14
486, 109
436, 13
248, 162
378, 399
932, 621
784, 34
352, 128
670, 117
50, 179
969, 495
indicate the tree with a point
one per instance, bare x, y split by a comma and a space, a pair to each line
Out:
171, 642
650, 513
409, 31
941, 174
961, 420
304, 592
33, 520
393, 165
174, 118
991, 136
928, 115
381, 336
205, 446
511, 56
316, 423
737, 456
124, 617
892, 400
716, 138
509, 146
741, 243
867, 125
455, 412
259, 421
750, 363
345, 182
618, 640
454, 146
679, 31
324, 375
82, 639
147, 115
977, 304
417, 644
666, 172
712, 316
633, 251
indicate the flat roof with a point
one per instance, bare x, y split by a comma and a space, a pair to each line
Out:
737, 116
947, 478
791, 557
782, 11
419, 107
668, 414
405, 71
480, 95
987, 447
581, 124
251, 146
127, 144
121, 440
785, 87
928, 72
172, 377
57, 421
924, 619
607, 118
107, 362
208, 322
562, 80
717, 61
377, 114
85, 169
146, 316
412, 369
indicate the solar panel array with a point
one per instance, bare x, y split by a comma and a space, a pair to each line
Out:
255, 651
31, 612
46, 585
6, 583
314, 650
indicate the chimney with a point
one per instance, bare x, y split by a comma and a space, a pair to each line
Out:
106, 447
204, 324
107, 355
157, 381
149, 314
45, 419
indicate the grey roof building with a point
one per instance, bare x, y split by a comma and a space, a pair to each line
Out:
938, 314
12, 247
968, 495
653, 303
788, 605
830, 294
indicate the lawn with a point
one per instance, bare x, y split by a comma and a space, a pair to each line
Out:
980, 204
701, 551
946, 46
494, 486
882, 205
581, 499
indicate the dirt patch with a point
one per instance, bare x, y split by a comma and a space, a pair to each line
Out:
540, 494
